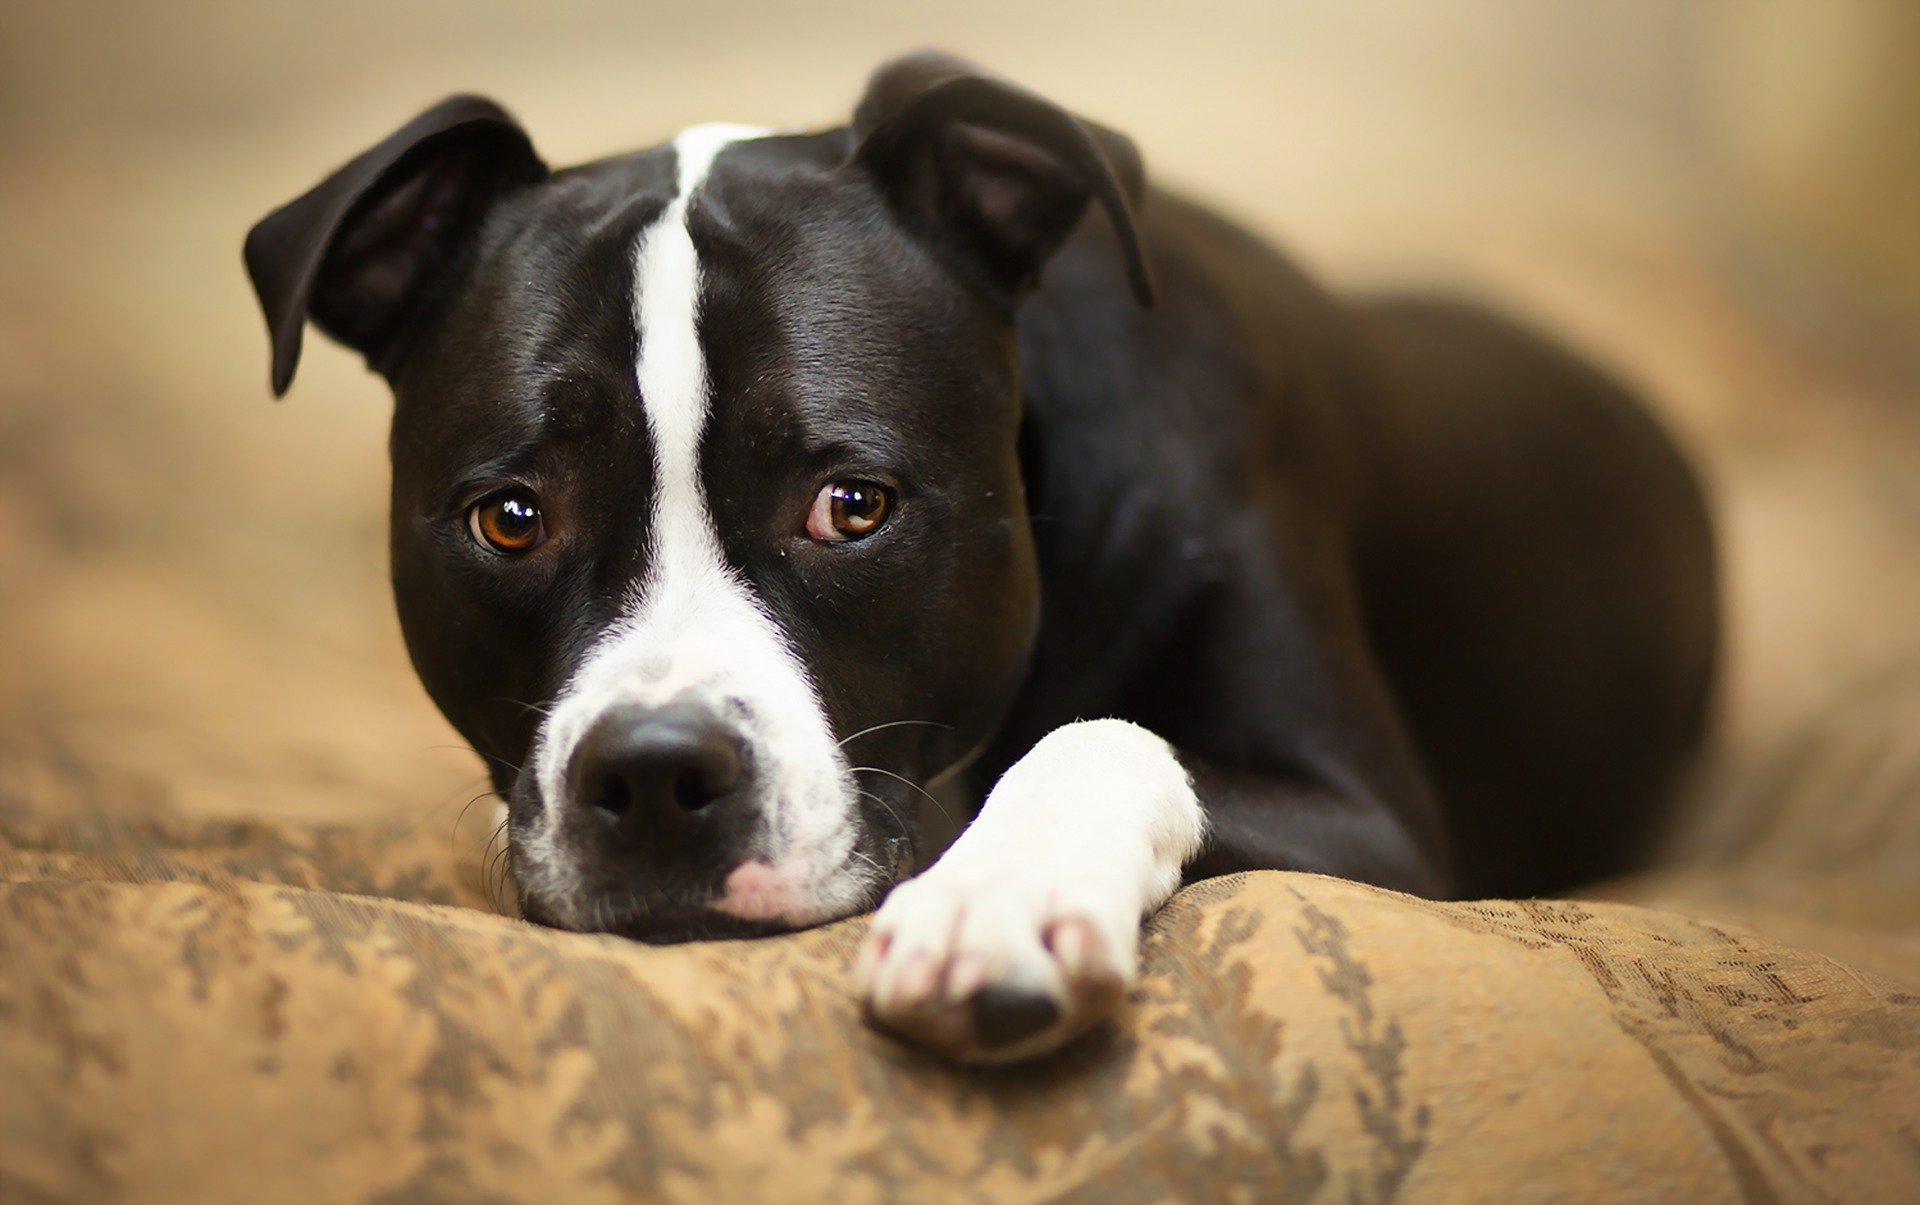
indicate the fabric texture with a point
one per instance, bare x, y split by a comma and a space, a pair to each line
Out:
216, 1011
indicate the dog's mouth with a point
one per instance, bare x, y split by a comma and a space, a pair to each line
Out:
564, 885
660, 920
656, 926
668, 811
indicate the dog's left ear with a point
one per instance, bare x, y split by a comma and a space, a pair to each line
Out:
993, 173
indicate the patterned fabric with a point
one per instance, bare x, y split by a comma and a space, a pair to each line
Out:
207, 1011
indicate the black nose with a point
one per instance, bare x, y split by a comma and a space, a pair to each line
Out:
640, 768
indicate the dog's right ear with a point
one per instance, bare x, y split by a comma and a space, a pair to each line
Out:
362, 254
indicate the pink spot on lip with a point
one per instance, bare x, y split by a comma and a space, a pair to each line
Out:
764, 891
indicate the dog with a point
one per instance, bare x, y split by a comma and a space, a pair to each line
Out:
758, 492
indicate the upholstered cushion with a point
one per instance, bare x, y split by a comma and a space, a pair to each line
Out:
204, 1011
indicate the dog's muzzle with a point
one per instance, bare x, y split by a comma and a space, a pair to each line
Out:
680, 819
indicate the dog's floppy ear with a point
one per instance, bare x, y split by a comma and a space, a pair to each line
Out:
362, 252
993, 172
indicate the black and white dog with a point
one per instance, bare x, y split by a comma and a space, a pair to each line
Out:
748, 488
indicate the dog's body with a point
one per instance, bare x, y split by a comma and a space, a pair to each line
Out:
745, 486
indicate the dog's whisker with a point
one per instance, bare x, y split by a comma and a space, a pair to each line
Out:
493, 877
890, 809
544, 709
446, 799
453, 832
468, 806
891, 724
880, 875
927, 795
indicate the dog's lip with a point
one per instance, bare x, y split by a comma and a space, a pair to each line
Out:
654, 926
787, 890
678, 924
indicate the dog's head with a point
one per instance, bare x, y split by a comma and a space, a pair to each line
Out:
708, 524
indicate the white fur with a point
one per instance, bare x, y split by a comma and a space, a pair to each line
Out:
694, 629
1044, 892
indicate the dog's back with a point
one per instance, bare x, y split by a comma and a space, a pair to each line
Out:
1539, 580
1531, 558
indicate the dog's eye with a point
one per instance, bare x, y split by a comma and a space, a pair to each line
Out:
508, 522
849, 510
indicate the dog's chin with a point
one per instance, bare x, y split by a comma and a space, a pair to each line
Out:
663, 922
659, 927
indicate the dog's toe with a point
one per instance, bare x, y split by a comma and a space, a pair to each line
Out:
1006, 1016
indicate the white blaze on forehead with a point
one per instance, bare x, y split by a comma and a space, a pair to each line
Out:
672, 372
694, 629
692, 606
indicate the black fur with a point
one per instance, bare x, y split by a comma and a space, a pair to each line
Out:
1419, 598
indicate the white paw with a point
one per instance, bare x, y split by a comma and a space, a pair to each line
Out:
995, 967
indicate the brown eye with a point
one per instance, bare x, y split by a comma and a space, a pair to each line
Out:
848, 510
508, 522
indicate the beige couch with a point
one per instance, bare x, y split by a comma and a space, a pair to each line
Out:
206, 1011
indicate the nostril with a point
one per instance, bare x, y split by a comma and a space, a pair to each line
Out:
712, 772
691, 793
614, 797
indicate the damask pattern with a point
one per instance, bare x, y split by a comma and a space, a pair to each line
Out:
254, 1013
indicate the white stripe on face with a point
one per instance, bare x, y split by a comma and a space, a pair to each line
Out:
694, 629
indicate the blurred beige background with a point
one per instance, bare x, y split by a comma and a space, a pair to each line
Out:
1718, 198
